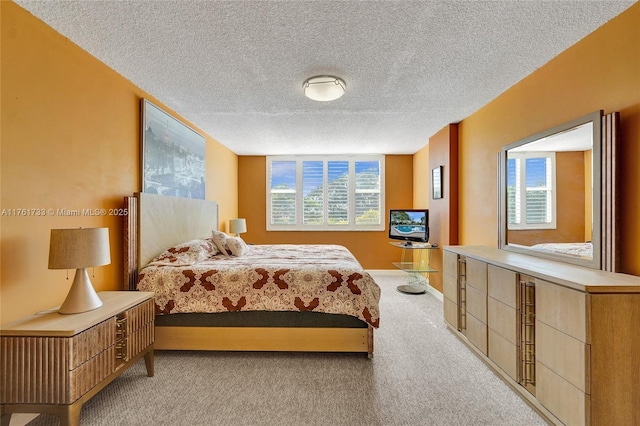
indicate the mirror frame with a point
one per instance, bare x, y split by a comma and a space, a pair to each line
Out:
597, 192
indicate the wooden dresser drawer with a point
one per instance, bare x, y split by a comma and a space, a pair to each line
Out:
90, 343
502, 319
451, 313
552, 301
450, 264
566, 402
477, 304
140, 328
450, 288
90, 374
503, 353
477, 333
564, 355
477, 274
501, 285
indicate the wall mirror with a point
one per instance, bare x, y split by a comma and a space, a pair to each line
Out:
551, 192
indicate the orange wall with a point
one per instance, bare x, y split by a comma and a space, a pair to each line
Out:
443, 227
421, 179
370, 248
602, 71
70, 140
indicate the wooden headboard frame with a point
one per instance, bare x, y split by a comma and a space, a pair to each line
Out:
156, 222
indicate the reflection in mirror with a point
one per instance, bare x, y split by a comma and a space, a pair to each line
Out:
550, 183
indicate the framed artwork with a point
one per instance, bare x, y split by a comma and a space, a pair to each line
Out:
436, 182
173, 159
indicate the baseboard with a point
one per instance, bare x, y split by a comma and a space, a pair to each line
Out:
435, 293
392, 272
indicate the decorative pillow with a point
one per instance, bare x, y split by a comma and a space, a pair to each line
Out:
237, 246
186, 253
220, 241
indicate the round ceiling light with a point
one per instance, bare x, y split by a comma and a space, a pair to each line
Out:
324, 88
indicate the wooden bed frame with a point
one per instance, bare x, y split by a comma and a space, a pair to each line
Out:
155, 222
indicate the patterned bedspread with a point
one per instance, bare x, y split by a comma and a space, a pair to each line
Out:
282, 277
575, 249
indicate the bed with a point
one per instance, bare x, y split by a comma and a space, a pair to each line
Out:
573, 249
267, 298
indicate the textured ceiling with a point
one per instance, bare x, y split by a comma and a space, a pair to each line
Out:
235, 68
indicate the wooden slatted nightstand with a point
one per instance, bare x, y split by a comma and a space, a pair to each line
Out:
54, 363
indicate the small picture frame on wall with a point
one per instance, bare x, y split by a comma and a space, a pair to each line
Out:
436, 182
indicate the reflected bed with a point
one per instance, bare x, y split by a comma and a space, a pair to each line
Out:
573, 249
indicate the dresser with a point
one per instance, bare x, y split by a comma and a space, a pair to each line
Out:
565, 337
53, 363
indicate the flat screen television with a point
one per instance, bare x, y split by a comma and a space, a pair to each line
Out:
409, 225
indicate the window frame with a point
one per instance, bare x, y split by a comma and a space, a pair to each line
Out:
522, 157
351, 226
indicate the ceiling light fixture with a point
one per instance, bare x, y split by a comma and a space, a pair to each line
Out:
324, 88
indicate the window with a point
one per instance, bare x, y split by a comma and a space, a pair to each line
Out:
531, 190
325, 193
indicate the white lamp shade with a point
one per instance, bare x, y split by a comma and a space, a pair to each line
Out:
324, 88
237, 226
79, 248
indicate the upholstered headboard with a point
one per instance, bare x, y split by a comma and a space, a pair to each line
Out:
156, 222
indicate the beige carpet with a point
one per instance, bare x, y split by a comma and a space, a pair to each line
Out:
421, 374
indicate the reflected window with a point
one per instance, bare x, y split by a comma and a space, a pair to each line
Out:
531, 190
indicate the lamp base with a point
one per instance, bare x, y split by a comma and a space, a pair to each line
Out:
81, 297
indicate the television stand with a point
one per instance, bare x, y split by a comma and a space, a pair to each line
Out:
415, 261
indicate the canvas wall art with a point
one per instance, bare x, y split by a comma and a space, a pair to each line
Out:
173, 155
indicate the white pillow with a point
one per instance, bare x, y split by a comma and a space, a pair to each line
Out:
187, 253
237, 246
220, 241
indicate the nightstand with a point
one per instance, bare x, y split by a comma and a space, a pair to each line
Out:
54, 363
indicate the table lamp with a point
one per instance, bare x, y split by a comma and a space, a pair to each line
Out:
238, 226
79, 249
